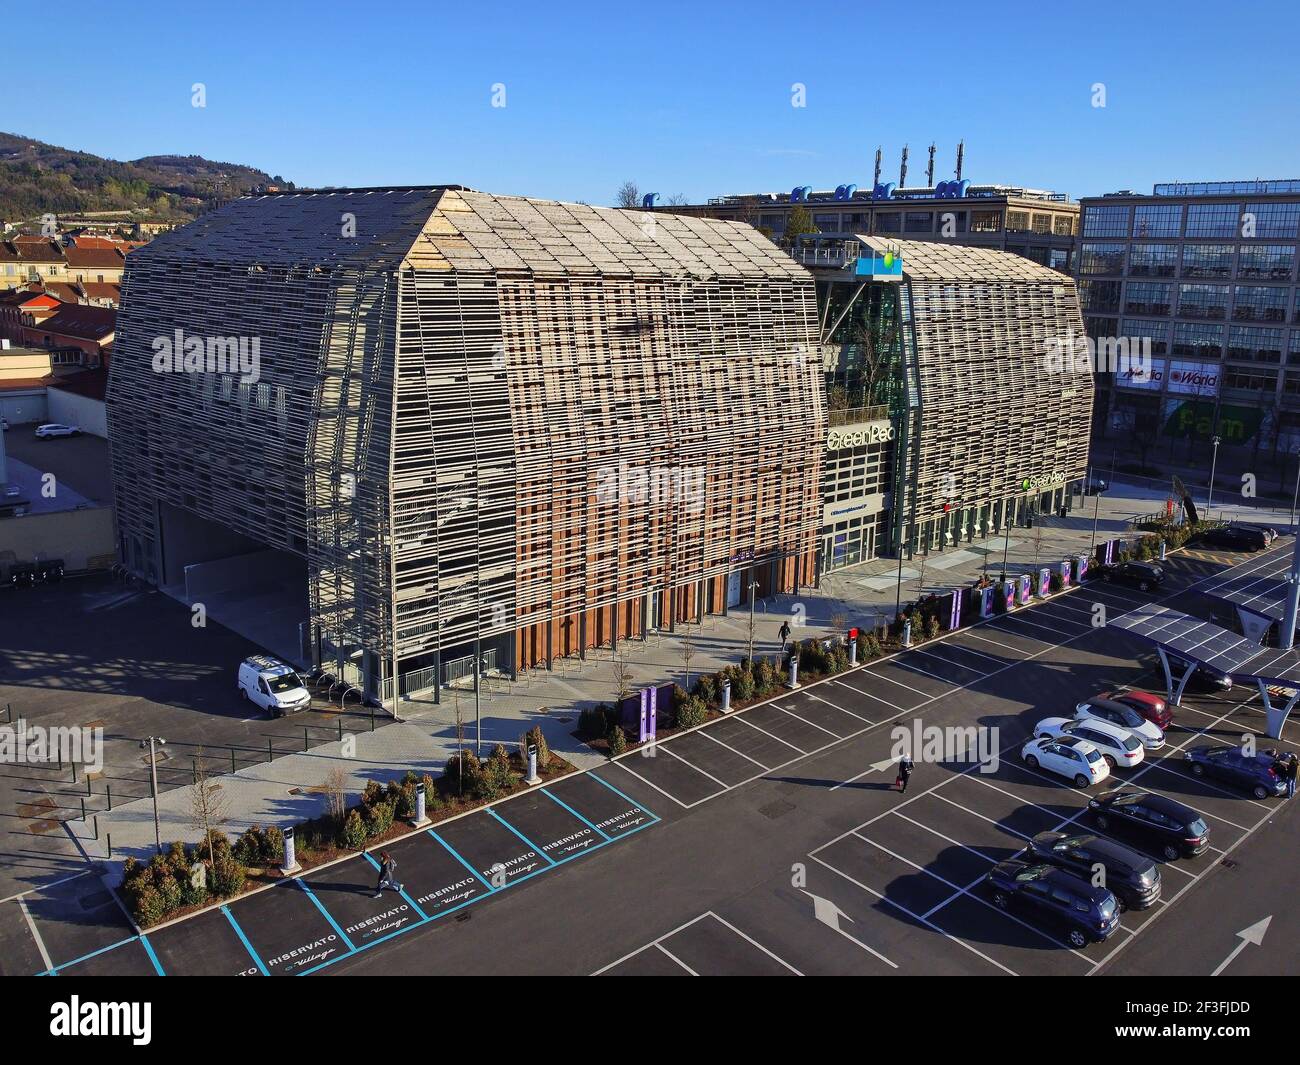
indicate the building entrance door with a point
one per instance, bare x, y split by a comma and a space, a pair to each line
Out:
733, 589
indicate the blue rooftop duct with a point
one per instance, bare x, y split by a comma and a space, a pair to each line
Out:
650, 200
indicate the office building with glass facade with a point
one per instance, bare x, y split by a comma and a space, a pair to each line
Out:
949, 419
1203, 274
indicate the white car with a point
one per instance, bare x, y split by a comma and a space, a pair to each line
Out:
273, 685
1151, 734
52, 429
1074, 759
1120, 748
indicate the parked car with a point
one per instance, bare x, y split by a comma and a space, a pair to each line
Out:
1253, 773
1233, 538
1205, 678
1151, 735
4, 425
1270, 534
1074, 759
1087, 914
50, 430
1095, 487
1133, 878
273, 685
1170, 827
1145, 576
1118, 746
1151, 707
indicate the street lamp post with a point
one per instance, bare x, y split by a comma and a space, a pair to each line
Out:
1296, 496
153, 776
753, 587
1214, 460
478, 717
1006, 546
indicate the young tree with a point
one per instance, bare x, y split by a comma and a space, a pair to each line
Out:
336, 794
798, 223
628, 195
622, 677
207, 805
678, 199
687, 652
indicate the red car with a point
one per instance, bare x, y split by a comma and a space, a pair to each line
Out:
1151, 707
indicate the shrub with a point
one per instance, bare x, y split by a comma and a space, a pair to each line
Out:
617, 740
373, 793
379, 818
226, 878
272, 846
401, 794
693, 712
932, 627
1054, 581
354, 830
250, 846
463, 771
706, 689
147, 907
743, 685
496, 780
191, 895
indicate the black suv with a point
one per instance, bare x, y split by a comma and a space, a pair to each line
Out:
1142, 575
1235, 538
1087, 914
1170, 827
1133, 878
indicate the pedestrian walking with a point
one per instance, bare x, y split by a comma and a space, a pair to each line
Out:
784, 633
905, 767
387, 867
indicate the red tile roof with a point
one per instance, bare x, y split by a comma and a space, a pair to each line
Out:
90, 258
83, 323
90, 383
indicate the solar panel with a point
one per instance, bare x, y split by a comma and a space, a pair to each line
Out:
1192, 639
1263, 594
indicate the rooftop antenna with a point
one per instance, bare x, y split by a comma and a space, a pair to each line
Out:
929, 170
902, 170
877, 181
961, 152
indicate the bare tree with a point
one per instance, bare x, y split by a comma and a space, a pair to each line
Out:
687, 652
336, 793
678, 199
628, 195
207, 804
460, 743
622, 677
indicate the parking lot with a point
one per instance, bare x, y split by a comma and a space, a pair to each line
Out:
780, 845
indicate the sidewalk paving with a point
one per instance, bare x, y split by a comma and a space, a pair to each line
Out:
279, 792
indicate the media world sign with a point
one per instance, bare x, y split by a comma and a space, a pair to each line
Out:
860, 434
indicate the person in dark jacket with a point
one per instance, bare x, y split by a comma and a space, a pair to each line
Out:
1289, 770
387, 867
784, 633
905, 767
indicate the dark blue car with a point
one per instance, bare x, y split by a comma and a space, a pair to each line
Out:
1253, 773
1052, 896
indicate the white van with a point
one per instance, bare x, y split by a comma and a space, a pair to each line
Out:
273, 685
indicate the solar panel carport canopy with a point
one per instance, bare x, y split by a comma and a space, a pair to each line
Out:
1264, 595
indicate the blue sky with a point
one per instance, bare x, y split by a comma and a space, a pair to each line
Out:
680, 98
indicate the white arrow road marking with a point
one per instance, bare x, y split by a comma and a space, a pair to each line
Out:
1253, 934
876, 767
829, 914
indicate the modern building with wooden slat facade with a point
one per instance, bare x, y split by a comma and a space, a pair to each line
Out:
478, 425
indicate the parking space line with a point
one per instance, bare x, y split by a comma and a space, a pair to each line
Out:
1213, 787
994, 643
982, 817
953, 646
956, 843
890, 680
842, 710
619, 763
707, 733
1012, 795
526, 841
915, 916
869, 695
46, 887
1039, 625
777, 738
807, 722
755, 943
561, 802
302, 883
153, 958
653, 943
261, 967
691, 765
93, 954
457, 855
640, 806
673, 957
901, 663
968, 893
946, 661
40, 943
